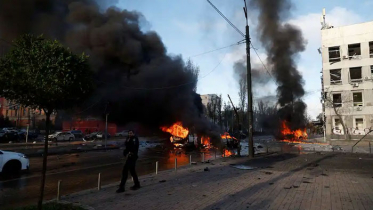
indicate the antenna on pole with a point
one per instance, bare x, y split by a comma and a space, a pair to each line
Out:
324, 25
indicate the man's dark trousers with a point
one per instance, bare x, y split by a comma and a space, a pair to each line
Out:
129, 166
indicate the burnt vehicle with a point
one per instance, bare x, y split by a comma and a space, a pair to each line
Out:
230, 141
91, 136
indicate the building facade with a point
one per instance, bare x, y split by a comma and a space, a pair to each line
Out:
207, 98
347, 62
21, 116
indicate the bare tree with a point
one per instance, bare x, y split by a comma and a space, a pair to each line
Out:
194, 69
340, 104
214, 108
242, 93
219, 110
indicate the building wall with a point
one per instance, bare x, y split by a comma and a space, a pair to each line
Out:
343, 36
20, 116
207, 98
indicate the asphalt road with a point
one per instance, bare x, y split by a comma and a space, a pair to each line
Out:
80, 171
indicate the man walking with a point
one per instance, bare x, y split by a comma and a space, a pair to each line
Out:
131, 151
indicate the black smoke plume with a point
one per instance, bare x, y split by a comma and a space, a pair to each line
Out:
136, 79
258, 74
283, 42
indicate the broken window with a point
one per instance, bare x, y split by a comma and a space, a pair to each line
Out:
335, 76
371, 72
334, 54
337, 100
353, 50
359, 124
357, 98
355, 74
371, 49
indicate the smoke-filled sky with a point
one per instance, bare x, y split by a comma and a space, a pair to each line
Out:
192, 27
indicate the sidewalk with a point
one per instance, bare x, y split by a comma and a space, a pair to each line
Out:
309, 181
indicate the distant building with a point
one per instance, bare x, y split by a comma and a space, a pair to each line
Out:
207, 98
20, 115
347, 62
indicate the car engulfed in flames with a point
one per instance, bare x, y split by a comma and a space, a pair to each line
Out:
293, 136
178, 133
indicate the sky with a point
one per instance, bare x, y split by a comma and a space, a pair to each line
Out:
191, 27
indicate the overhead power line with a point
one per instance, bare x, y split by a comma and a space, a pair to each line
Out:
265, 67
204, 53
229, 22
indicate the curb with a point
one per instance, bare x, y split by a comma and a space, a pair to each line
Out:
40, 154
86, 207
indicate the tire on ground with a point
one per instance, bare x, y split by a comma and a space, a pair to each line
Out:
12, 167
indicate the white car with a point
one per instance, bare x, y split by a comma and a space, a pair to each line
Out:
122, 134
62, 136
13, 163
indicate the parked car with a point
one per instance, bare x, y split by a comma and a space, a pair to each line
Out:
9, 129
31, 134
91, 136
6, 137
101, 135
77, 133
122, 134
62, 136
12, 163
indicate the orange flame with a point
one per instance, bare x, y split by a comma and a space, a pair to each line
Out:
292, 136
205, 140
226, 136
176, 129
227, 153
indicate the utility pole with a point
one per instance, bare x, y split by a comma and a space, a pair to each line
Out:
248, 74
249, 91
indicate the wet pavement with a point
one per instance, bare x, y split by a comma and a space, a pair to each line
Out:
80, 172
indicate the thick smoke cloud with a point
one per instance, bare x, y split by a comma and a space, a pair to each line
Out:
259, 75
283, 42
134, 74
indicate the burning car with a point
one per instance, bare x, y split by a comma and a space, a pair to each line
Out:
178, 133
288, 135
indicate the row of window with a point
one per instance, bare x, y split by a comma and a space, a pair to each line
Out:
357, 99
358, 125
14, 113
355, 75
354, 51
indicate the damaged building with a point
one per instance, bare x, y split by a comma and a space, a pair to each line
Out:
347, 77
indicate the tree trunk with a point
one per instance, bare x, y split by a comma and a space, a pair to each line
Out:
346, 133
45, 155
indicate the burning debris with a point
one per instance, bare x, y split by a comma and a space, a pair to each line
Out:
283, 42
289, 135
176, 130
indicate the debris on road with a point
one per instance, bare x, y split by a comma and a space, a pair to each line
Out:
243, 167
162, 181
206, 169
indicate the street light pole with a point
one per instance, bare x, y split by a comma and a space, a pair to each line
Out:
106, 129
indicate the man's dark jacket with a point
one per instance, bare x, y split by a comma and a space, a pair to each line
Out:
132, 147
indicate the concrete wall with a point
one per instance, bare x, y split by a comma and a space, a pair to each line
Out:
342, 37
